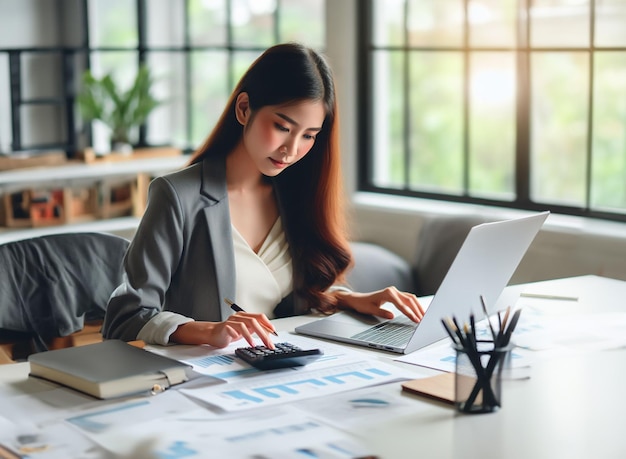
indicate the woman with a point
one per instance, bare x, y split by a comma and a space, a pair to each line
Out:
257, 217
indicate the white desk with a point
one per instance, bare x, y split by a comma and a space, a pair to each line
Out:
571, 407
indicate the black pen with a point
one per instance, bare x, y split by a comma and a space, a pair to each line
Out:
451, 333
511, 327
486, 312
235, 307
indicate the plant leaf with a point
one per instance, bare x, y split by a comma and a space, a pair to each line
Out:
120, 110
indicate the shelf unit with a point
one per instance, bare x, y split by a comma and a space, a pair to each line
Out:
104, 195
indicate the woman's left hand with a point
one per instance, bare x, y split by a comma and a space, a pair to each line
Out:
370, 303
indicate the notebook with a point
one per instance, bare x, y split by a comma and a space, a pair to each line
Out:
440, 387
483, 266
108, 369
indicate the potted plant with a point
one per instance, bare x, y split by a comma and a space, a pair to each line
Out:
121, 110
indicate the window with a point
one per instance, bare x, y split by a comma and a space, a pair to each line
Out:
196, 50
517, 103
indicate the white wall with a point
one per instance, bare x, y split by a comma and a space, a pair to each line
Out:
341, 50
26, 23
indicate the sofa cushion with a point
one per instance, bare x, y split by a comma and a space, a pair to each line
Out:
376, 267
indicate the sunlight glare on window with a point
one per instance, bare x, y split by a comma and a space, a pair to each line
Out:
559, 132
608, 191
387, 29
213, 5
253, 22
479, 13
492, 133
512, 102
492, 86
262, 6
243, 12
435, 22
492, 22
610, 27
436, 122
559, 23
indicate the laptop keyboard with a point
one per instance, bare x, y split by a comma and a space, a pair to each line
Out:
392, 333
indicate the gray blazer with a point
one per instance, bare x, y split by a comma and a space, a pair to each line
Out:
181, 258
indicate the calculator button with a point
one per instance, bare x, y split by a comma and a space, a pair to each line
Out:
283, 356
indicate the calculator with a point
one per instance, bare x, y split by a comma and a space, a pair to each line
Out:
284, 355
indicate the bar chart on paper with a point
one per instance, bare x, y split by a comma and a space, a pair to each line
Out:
289, 386
224, 364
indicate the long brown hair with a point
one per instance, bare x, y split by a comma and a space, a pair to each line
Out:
310, 192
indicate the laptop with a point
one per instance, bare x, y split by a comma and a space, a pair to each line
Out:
483, 266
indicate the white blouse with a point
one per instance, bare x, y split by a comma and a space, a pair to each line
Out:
263, 280
266, 277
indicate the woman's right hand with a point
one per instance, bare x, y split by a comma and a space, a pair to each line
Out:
221, 334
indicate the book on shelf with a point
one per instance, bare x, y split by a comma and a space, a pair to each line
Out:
108, 369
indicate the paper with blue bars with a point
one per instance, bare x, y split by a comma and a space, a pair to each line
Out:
289, 386
340, 369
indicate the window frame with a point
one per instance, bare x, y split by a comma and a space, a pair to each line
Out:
522, 199
75, 57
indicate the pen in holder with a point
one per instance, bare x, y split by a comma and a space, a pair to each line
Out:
479, 363
478, 380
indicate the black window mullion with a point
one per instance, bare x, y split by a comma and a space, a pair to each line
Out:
86, 47
406, 87
69, 83
466, 100
230, 48
188, 69
277, 37
523, 102
141, 32
84, 17
589, 156
365, 91
15, 83
141, 53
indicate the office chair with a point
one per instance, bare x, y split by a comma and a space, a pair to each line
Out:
54, 290
439, 240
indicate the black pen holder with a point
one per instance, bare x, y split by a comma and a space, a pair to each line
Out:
478, 380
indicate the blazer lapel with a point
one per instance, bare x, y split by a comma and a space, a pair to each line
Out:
217, 216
